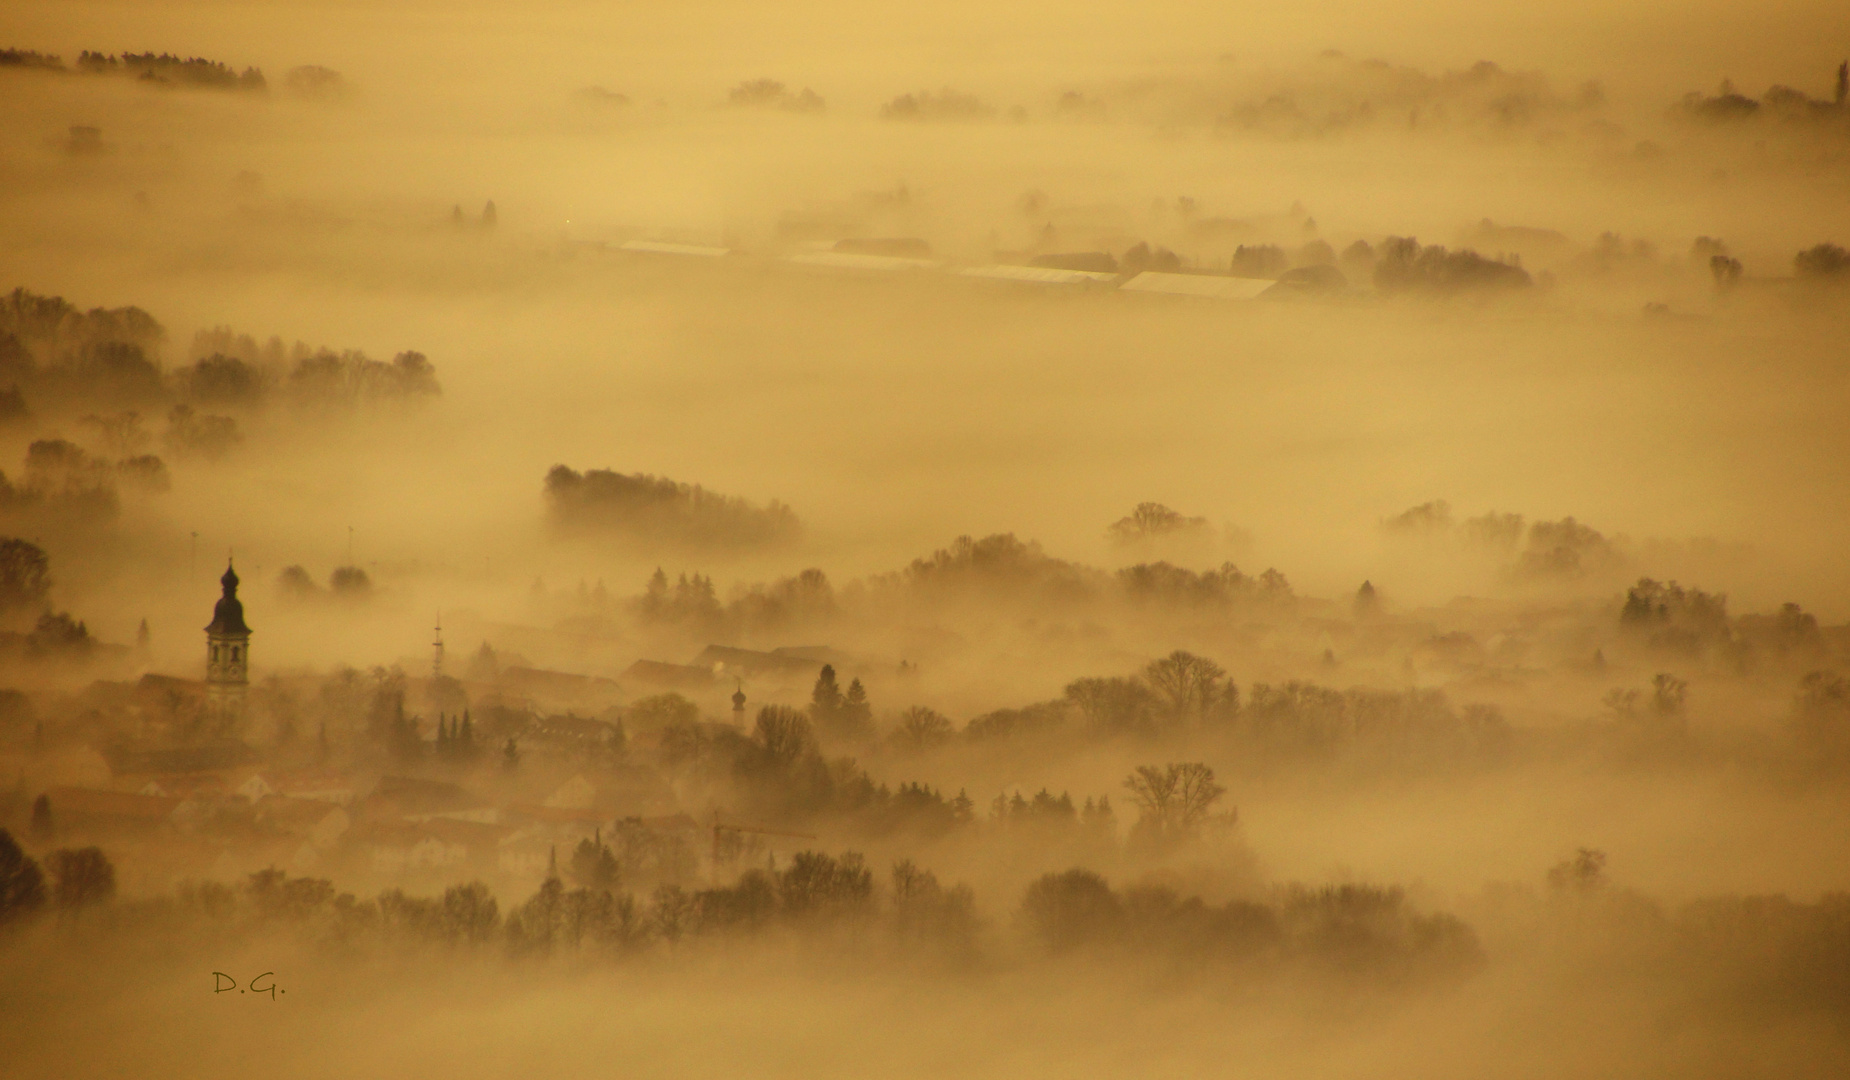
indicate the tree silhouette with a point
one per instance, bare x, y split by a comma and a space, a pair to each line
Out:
593, 865
816, 882
1667, 694
1823, 261
856, 714
1584, 872
1149, 520
1114, 705
1821, 714
1174, 799
921, 728
1070, 909
468, 913
783, 734
1404, 264
81, 877
1727, 270
825, 699
1188, 685
350, 581
25, 574
1367, 601
671, 911
22, 886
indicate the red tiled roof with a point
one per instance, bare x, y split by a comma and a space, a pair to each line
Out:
285, 811
93, 802
557, 814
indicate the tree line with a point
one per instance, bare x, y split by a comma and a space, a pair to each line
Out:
1353, 929
162, 68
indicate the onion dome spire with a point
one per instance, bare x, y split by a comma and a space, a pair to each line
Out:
228, 616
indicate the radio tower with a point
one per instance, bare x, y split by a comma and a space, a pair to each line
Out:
436, 660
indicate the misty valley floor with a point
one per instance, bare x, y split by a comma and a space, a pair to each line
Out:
952, 541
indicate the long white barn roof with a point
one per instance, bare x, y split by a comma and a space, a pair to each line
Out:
1039, 275
846, 260
659, 247
1208, 285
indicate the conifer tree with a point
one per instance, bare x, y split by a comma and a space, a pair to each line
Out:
825, 701
856, 714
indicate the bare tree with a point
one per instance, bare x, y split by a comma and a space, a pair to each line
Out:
783, 732
1727, 271
1667, 694
1196, 793
922, 728
671, 912
1072, 909
25, 575
81, 877
1153, 789
469, 913
1622, 702
1189, 685
1114, 705
1584, 872
1174, 798
1151, 520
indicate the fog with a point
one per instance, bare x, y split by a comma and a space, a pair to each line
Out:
962, 541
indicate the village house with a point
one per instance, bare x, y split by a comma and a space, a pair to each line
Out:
319, 785
321, 824
203, 785
99, 811
560, 689
661, 675
732, 663
404, 798
573, 736
435, 844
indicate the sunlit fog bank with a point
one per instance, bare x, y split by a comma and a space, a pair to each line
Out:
974, 540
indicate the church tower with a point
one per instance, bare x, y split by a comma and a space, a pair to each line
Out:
228, 654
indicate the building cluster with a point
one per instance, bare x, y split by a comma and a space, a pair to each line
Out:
223, 823
185, 798
1086, 270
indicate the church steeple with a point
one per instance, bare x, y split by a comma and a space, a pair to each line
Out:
228, 616
227, 655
